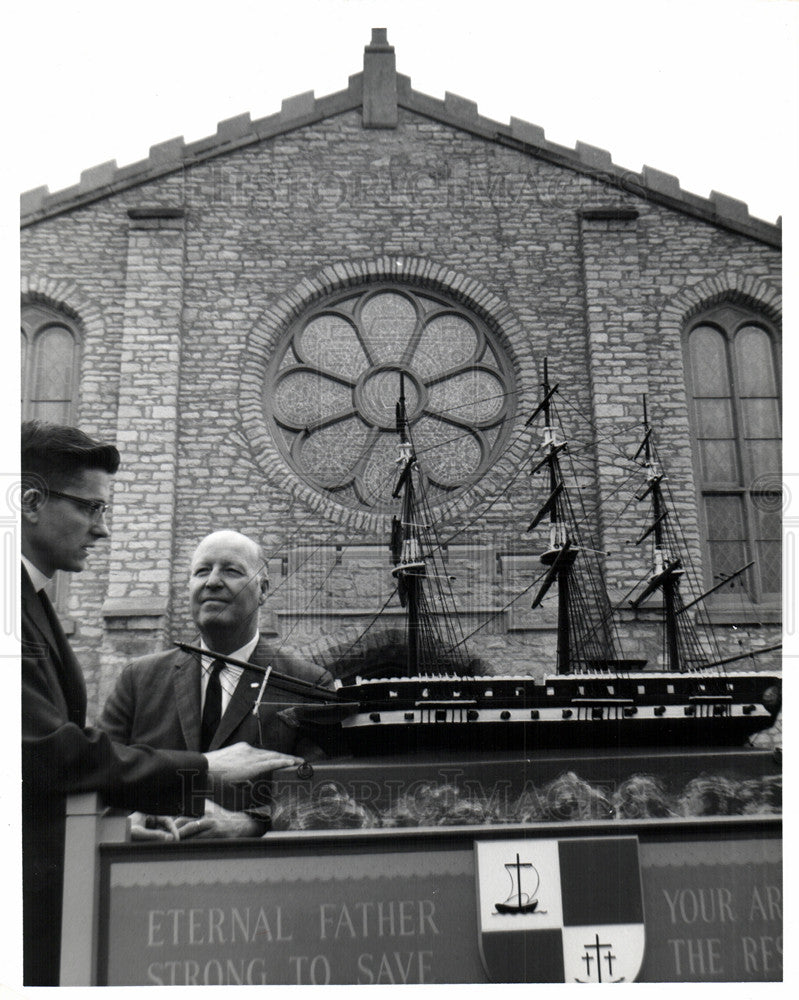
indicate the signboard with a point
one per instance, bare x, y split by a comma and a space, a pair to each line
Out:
713, 911
366, 918
573, 913
336, 910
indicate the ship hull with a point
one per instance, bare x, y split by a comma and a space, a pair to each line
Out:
526, 737
505, 714
513, 909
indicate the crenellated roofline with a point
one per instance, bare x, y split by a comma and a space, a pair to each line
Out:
378, 92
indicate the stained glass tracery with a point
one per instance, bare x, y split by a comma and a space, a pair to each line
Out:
333, 386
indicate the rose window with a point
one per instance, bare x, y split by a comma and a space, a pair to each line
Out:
335, 381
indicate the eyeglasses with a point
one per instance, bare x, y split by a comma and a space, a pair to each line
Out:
97, 508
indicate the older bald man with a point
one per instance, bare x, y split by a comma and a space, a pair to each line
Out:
177, 700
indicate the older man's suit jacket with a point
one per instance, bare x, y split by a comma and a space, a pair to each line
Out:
156, 700
60, 755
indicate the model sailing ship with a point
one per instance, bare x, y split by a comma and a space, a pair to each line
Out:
596, 697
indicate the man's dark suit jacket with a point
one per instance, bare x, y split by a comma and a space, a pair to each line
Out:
156, 700
61, 756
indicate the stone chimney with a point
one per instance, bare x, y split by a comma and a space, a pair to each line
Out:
379, 82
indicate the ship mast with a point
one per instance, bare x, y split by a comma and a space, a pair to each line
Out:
666, 572
409, 566
561, 554
684, 649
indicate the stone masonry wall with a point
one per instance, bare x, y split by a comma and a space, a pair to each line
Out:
590, 291
140, 564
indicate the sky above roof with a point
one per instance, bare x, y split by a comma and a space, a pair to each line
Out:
704, 90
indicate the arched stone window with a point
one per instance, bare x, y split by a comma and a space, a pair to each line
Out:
50, 353
732, 365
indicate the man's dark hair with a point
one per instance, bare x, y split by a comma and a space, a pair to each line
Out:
53, 453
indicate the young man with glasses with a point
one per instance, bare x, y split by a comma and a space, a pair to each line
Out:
66, 483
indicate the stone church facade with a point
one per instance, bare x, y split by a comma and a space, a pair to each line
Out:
234, 313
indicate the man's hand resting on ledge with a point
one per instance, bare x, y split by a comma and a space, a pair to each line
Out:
219, 822
231, 765
242, 762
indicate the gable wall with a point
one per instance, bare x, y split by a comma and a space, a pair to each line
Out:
182, 299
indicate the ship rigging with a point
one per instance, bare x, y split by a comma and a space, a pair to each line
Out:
595, 696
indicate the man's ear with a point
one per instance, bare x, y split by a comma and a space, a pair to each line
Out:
32, 501
264, 589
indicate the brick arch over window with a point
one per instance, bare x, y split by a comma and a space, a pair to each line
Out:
730, 329
65, 296
745, 290
266, 338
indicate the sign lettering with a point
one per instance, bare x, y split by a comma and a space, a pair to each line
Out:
722, 921
708, 911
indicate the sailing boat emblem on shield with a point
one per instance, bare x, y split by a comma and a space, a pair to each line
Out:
574, 912
519, 900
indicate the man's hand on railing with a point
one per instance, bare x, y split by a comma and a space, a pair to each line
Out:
219, 822
143, 827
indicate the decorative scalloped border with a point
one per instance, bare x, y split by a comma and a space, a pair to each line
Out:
264, 869
264, 337
683, 853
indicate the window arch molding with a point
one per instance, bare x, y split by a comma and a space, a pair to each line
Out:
742, 289
731, 349
63, 296
269, 333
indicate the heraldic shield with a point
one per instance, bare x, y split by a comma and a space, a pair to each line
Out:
560, 911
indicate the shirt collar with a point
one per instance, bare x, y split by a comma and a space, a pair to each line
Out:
244, 653
38, 579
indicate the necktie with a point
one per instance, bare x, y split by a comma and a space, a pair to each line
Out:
212, 709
